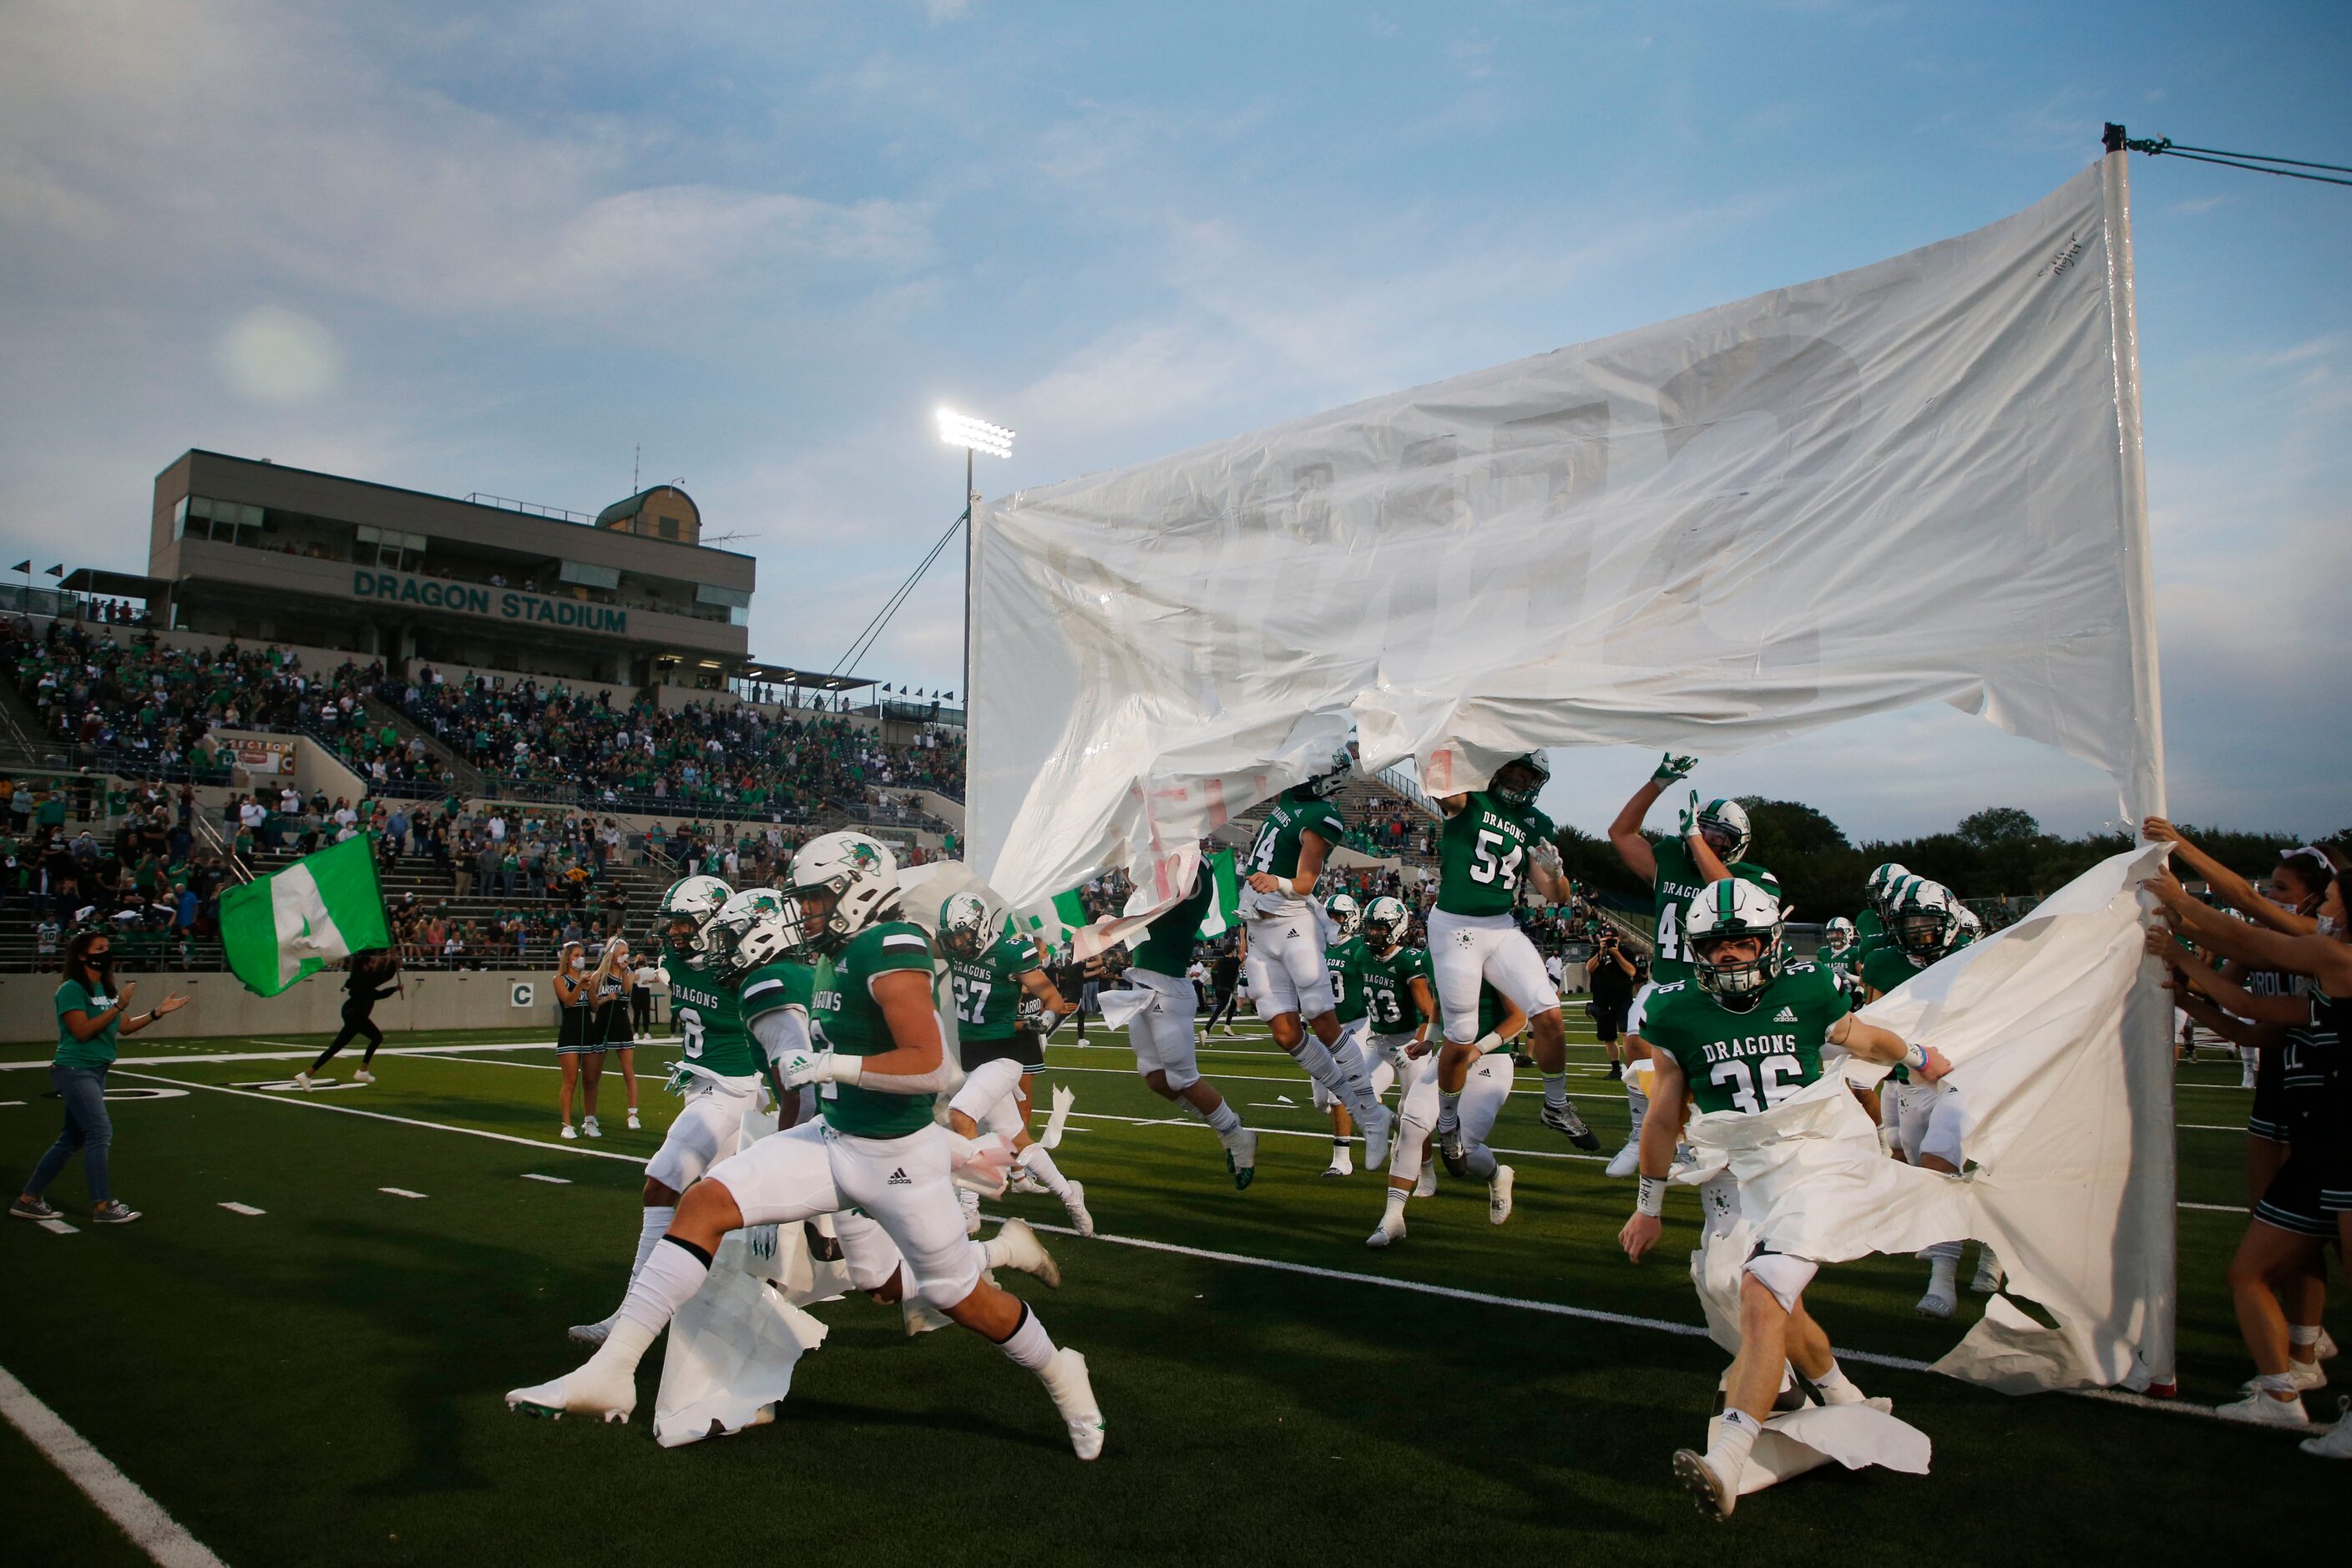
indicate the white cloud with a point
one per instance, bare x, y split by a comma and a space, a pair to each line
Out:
272, 354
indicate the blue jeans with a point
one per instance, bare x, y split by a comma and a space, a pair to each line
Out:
86, 1129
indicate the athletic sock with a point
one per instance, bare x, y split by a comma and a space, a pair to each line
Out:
1355, 1079
1449, 1111
2303, 1343
1555, 1091
1943, 1272
1039, 1162
1397, 1197
1225, 1121
649, 1233
1028, 1343
1637, 1105
1836, 1387
1315, 1058
1734, 1436
667, 1281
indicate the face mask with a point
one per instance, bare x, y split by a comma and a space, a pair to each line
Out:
2328, 925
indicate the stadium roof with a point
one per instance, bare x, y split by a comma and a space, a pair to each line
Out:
785, 674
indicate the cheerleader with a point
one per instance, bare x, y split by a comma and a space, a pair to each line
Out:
578, 1047
613, 979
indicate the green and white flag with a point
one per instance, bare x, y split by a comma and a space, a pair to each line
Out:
1224, 914
1054, 922
278, 928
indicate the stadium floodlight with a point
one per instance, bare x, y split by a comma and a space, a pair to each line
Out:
974, 435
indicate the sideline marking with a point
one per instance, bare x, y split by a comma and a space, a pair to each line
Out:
215, 1058
1588, 1314
556, 1181
242, 1209
267, 1099
152, 1530
59, 1227
400, 1192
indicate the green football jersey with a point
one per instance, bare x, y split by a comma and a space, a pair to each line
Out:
1482, 852
1168, 940
1275, 849
788, 983
1387, 989
1678, 883
1868, 927
843, 1017
1345, 961
710, 1014
1752, 1060
1886, 966
987, 989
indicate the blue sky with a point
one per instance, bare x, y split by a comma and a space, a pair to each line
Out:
459, 250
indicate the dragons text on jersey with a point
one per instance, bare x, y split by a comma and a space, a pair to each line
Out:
1481, 854
844, 1016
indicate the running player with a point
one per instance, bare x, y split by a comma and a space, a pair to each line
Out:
1282, 948
990, 970
1710, 844
1345, 960
1930, 1120
1486, 1087
1740, 1033
1400, 1002
1167, 1051
720, 1074
1493, 840
878, 1060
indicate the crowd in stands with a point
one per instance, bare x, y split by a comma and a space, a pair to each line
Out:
127, 860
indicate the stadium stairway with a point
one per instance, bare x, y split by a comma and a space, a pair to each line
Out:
469, 776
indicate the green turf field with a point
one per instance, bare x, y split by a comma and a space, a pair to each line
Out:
321, 1382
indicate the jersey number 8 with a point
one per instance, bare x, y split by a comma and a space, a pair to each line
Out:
689, 1024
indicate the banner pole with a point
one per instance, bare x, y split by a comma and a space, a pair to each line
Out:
2147, 1022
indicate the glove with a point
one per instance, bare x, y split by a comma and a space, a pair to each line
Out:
801, 1068
1690, 816
982, 1164
1673, 769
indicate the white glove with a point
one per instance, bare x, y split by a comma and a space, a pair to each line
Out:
803, 1067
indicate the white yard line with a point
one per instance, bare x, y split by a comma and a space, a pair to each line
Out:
215, 1059
400, 1192
244, 1209
385, 1116
155, 1533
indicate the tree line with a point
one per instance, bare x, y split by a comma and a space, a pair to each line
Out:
1999, 852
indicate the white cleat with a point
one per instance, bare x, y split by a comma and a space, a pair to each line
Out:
588, 1127
1066, 1379
2327, 1346
1389, 1231
1626, 1160
603, 1390
302, 1080
1377, 1131
1936, 1303
2308, 1376
1707, 1485
2260, 1409
1016, 1246
363, 1075
1988, 1274
1341, 1166
566, 1133
1499, 1195
635, 1125
2336, 1442
1074, 1201
1241, 1157
593, 1335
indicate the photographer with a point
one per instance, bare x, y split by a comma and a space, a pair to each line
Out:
1613, 976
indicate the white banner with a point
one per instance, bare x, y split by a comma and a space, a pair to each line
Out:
1916, 481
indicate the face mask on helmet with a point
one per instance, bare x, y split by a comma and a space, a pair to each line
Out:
964, 925
1724, 825
1925, 930
1521, 779
1334, 778
1735, 981
1345, 916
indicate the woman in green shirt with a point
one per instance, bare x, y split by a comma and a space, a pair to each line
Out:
91, 1013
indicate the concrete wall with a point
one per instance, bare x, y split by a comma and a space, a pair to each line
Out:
219, 1004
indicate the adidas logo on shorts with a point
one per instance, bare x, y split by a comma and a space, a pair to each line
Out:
899, 1178
1785, 1016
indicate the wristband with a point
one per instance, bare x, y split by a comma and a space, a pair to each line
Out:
1914, 1056
1487, 1042
1650, 1196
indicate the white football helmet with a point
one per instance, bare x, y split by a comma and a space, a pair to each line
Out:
771, 938
1724, 824
1325, 784
1346, 918
1385, 922
844, 883
1733, 907
682, 920
1972, 924
1838, 935
1879, 889
964, 925
1926, 921
1524, 792
735, 919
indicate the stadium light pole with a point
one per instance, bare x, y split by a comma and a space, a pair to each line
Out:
973, 436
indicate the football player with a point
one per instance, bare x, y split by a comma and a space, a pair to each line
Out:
877, 1059
1283, 949
1740, 1033
1837, 951
1930, 1121
1711, 845
1493, 840
1400, 1004
1167, 1051
1345, 960
990, 972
